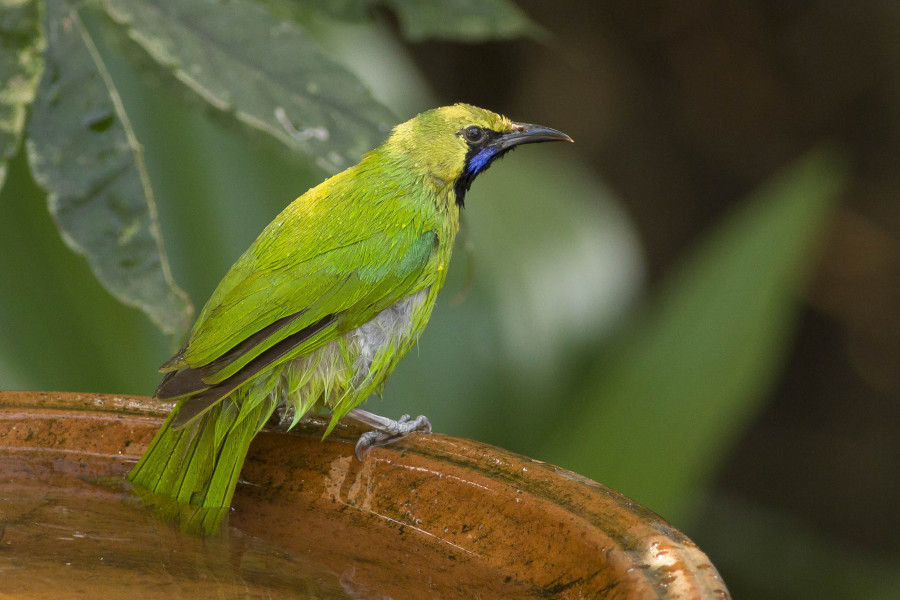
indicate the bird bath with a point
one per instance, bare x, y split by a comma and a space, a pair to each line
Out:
430, 517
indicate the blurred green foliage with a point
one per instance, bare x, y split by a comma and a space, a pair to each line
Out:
553, 352
706, 353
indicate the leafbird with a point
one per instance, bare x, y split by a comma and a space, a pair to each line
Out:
318, 311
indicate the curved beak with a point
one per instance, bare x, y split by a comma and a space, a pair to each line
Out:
525, 133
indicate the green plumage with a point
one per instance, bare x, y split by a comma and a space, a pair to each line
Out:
319, 310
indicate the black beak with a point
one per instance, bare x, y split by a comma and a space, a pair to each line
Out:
523, 133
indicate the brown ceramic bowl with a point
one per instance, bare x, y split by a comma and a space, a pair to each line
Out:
430, 517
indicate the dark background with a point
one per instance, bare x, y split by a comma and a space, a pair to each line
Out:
686, 107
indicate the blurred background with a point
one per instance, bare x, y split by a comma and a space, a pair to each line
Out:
696, 304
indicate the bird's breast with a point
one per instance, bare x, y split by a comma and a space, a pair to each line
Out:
394, 329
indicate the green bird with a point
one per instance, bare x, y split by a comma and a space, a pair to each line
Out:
319, 310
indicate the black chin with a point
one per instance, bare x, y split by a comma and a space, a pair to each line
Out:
465, 181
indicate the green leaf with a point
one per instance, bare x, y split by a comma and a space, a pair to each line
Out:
266, 73
308, 11
22, 43
667, 402
453, 20
84, 154
462, 20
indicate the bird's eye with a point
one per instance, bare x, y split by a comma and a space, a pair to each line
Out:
473, 133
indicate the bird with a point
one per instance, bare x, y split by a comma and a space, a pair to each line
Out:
317, 312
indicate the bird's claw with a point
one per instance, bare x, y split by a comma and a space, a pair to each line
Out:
390, 432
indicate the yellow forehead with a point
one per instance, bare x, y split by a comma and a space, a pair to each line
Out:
466, 113
458, 116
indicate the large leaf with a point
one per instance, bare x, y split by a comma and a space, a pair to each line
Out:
265, 72
462, 20
661, 411
83, 152
454, 20
21, 45
307, 12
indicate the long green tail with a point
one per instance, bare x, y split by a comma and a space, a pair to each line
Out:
189, 474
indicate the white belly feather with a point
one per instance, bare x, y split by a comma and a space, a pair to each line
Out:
390, 325
340, 374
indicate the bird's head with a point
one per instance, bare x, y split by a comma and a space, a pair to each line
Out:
451, 145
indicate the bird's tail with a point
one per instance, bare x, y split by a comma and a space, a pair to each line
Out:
188, 474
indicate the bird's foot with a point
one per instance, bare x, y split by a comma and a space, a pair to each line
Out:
386, 431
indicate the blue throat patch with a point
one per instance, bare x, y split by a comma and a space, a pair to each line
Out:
481, 160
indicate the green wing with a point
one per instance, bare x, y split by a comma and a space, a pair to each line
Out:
304, 282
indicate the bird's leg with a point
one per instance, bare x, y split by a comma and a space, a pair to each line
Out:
385, 431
